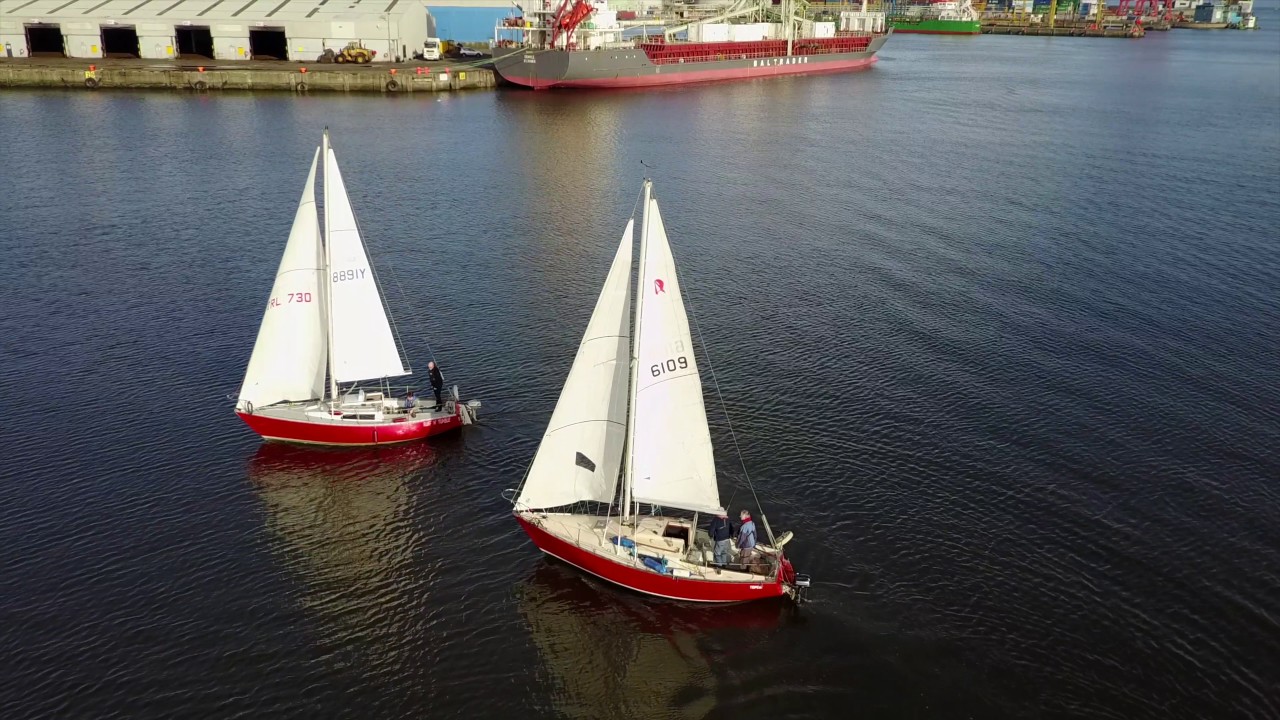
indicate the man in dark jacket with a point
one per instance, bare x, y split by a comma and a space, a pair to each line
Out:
721, 531
437, 382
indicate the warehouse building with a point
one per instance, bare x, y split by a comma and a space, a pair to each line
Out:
298, 30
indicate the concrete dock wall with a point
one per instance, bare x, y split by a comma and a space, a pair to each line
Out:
364, 79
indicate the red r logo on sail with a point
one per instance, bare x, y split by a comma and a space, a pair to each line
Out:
658, 287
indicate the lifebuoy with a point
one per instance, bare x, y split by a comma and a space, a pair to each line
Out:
91, 83
393, 85
200, 86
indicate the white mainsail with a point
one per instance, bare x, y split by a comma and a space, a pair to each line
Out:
288, 360
363, 346
672, 460
581, 451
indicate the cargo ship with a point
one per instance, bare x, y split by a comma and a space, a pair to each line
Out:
583, 44
938, 18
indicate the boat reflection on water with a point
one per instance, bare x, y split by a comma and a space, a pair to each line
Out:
341, 522
610, 653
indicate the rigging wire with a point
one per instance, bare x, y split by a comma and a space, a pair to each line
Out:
385, 306
725, 408
395, 329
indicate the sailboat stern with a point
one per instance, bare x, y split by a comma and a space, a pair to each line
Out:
468, 411
796, 585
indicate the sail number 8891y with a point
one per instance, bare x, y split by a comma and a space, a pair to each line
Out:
344, 275
669, 366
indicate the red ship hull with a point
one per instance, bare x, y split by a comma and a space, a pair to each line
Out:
654, 64
652, 583
701, 76
332, 433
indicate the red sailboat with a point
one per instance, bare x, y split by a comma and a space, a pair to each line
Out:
325, 318
629, 435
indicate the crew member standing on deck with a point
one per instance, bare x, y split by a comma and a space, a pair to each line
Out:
721, 532
437, 382
746, 538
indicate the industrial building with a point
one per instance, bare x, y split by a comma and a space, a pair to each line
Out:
299, 30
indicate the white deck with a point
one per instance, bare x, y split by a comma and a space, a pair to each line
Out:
651, 536
367, 409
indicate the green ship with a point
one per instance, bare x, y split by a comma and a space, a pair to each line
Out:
939, 18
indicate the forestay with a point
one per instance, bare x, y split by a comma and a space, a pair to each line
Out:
363, 346
672, 462
288, 360
581, 451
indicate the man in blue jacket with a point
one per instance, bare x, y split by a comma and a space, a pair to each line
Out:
721, 531
746, 538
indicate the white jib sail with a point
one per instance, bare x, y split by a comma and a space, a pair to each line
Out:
288, 360
673, 463
582, 449
363, 346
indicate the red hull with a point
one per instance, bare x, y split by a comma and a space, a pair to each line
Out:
335, 434
699, 76
652, 583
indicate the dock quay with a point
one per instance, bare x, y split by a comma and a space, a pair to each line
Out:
1062, 28
240, 75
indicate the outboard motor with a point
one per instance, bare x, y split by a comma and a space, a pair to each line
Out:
469, 410
801, 588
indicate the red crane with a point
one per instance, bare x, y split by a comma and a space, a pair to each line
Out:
568, 18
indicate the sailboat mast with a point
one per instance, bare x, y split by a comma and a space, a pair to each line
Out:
328, 294
635, 357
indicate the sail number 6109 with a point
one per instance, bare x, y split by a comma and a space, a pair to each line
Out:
669, 366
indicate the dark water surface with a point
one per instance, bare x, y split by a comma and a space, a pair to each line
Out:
996, 323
